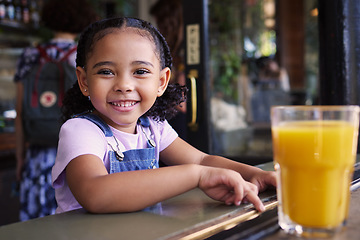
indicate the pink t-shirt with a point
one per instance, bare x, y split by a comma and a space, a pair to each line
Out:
79, 136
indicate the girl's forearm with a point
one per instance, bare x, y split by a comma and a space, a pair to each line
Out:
136, 190
246, 171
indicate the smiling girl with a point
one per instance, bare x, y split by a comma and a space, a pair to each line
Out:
116, 130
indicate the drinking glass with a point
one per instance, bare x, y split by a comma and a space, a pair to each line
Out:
314, 151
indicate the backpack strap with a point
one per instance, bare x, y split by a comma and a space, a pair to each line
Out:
69, 52
43, 53
62, 83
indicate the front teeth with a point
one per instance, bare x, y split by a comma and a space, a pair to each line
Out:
124, 104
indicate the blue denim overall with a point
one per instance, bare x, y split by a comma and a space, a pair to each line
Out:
130, 160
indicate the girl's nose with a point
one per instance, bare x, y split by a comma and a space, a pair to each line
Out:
123, 85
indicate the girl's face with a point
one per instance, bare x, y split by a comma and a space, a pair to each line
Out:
123, 78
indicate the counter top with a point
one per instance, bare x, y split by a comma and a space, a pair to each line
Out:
191, 215
185, 215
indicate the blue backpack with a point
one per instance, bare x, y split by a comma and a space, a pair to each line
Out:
44, 90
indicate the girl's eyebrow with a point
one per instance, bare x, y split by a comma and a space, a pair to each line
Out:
99, 64
142, 63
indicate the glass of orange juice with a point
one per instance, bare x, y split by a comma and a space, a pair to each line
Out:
314, 151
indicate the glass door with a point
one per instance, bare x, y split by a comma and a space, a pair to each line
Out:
244, 57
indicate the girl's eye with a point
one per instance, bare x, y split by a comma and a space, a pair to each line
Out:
105, 72
141, 71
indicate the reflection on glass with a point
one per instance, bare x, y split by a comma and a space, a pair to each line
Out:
247, 77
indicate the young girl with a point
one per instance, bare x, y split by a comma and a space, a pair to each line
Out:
109, 152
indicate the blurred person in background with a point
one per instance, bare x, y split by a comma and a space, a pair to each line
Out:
66, 19
271, 72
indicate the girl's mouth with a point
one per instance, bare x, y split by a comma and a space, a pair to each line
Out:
124, 103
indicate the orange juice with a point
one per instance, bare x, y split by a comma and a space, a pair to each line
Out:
314, 162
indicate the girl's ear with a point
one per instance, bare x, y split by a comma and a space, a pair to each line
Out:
164, 81
81, 78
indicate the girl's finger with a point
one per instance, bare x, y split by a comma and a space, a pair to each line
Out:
254, 199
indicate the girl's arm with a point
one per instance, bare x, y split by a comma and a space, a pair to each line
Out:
100, 192
180, 152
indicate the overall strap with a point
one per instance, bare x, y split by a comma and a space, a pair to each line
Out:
144, 121
99, 122
116, 146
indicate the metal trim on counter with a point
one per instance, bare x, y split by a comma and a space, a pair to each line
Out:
206, 229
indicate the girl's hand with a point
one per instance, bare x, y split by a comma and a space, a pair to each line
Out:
264, 180
228, 186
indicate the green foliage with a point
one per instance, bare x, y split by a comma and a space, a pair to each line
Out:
225, 46
230, 70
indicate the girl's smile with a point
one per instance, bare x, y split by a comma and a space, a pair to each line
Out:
124, 106
123, 77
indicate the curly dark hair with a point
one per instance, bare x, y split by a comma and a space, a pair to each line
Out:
164, 107
67, 15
